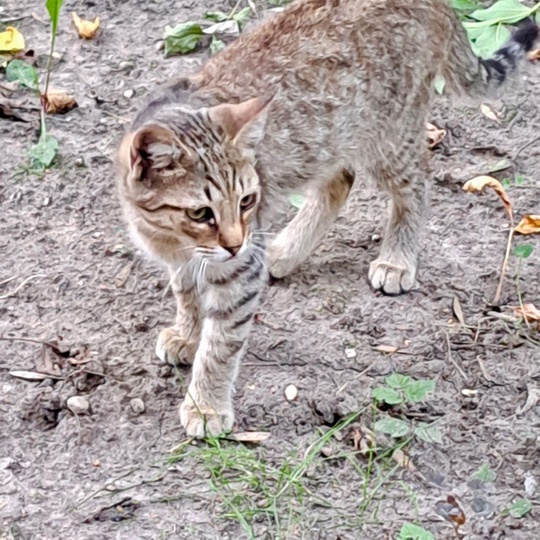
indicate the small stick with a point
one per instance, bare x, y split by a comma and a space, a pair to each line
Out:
498, 293
456, 365
23, 283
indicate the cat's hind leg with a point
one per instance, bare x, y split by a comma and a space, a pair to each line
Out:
300, 237
405, 178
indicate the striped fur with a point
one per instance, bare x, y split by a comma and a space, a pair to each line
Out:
314, 95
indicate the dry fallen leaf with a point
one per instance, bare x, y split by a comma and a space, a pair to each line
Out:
32, 375
529, 225
528, 312
458, 312
402, 459
390, 349
451, 511
477, 184
59, 103
534, 55
488, 112
85, 29
434, 135
533, 396
249, 436
11, 40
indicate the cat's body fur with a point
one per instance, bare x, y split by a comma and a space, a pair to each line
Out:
326, 89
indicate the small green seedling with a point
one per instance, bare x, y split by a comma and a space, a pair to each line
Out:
518, 509
484, 474
409, 531
42, 154
401, 390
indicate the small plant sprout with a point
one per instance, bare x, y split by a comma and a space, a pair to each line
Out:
402, 390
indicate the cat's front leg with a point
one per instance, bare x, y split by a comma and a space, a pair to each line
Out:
228, 310
178, 344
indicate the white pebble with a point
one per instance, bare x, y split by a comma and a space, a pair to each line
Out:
291, 392
78, 404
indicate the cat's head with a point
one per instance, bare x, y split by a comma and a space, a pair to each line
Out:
189, 180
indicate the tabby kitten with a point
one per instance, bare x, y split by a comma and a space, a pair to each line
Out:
317, 93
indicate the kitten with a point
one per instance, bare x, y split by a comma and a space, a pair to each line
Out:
301, 103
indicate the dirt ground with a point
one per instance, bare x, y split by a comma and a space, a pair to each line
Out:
69, 273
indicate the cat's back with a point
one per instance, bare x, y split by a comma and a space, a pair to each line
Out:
313, 38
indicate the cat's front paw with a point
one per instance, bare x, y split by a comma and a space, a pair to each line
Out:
173, 348
201, 420
392, 276
281, 262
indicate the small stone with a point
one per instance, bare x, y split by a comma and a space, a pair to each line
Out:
350, 353
160, 45
129, 93
137, 405
530, 484
291, 392
375, 237
78, 404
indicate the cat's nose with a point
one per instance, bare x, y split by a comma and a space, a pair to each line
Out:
233, 250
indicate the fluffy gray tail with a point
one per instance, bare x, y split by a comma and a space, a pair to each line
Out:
465, 73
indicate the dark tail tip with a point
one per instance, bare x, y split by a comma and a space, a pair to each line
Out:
526, 34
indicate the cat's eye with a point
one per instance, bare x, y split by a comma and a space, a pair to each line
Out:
248, 202
200, 214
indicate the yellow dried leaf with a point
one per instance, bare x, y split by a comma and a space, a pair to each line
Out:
477, 184
434, 135
85, 29
529, 225
59, 102
528, 312
534, 55
488, 112
402, 459
11, 40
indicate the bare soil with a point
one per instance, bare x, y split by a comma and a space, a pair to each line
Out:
77, 283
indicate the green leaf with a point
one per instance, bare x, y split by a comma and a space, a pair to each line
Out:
439, 83
519, 180
53, 7
463, 5
242, 17
409, 531
387, 395
418, 390
392, 426
484, 473
507, 11
428, 432
216, 16
505, 183
20, 71
183, 38
297, 201
489, 39
398, 381
43, 153
216, 45
520, 508
523, 251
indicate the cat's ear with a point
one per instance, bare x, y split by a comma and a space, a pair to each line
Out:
153, 146
243, 122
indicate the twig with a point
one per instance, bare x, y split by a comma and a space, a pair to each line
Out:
498, 293
105, 487
456, 365
8, 280
17, 289
524, 147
